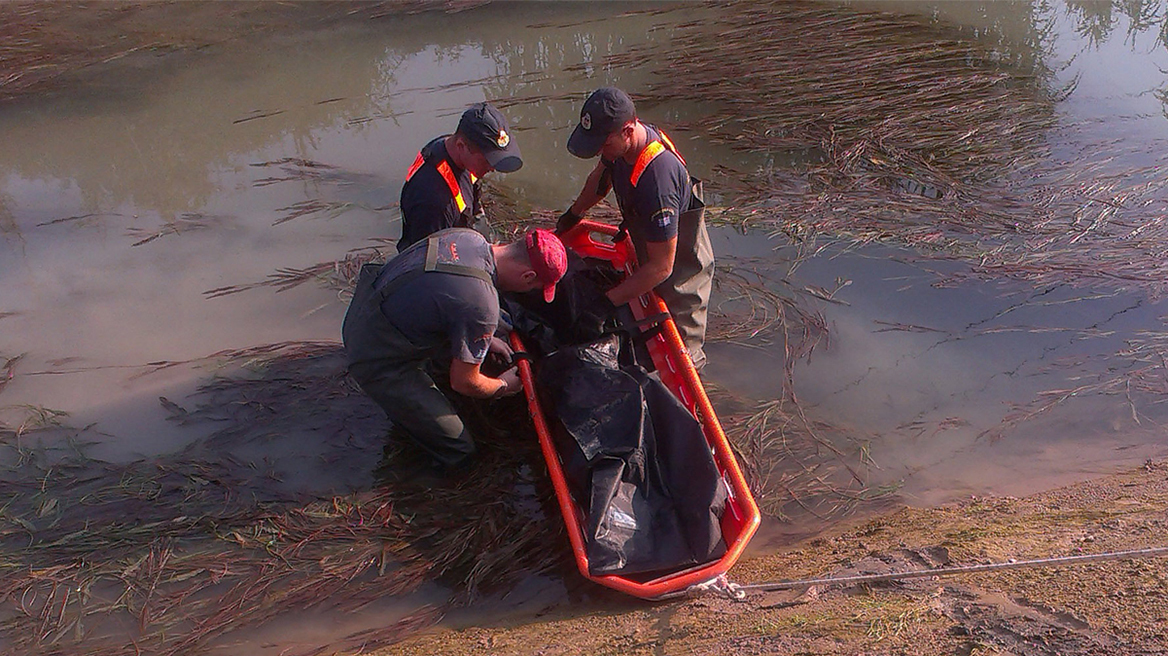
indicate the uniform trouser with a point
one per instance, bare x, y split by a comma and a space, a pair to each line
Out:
391, 370
687, 290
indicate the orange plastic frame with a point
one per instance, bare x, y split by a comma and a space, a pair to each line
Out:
741, 517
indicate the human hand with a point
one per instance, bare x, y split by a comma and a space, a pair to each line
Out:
566, 222
512, 384
606, 306
499, 352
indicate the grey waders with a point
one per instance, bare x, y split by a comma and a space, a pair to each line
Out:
391, 369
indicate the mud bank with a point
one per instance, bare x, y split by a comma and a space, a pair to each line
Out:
1113, 607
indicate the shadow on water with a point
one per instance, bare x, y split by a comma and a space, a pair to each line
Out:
295, 502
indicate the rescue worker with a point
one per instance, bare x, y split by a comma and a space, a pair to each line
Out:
661, 206
442, 189
438, 300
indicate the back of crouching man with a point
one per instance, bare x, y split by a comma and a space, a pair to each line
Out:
438, 300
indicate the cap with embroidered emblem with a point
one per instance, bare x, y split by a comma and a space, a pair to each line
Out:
607, 110
487, 128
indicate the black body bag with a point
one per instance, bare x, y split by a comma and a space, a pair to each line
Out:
634, 457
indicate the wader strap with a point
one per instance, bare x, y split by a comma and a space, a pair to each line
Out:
452, 182
670, 146
648, 154
432, 264
418, 162
447, 175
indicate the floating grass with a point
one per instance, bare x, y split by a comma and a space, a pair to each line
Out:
186, 222
190, 547
340, 275
913, 134
170, 554
909, 135
298, 169
43, 43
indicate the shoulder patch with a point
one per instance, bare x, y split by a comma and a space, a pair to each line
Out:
480, 347
664, 217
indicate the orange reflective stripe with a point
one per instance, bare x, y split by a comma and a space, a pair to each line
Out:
654, 149
452, 182
672, 148
418, 162
447, 175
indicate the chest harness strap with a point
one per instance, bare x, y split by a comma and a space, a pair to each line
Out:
649, 153
432, 264
447, 174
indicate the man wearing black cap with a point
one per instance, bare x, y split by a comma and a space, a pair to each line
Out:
661, 207
441, 189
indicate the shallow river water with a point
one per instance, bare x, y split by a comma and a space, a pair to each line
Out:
128, 196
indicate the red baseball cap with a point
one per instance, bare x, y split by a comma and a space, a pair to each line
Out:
548, 258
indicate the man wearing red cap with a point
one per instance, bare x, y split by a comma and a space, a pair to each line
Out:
442, 189
661, 207
438, 299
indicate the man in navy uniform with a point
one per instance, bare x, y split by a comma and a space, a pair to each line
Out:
661, 207
437, 301
442, 189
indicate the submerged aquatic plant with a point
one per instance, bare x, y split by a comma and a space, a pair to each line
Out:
912, 135
191, 546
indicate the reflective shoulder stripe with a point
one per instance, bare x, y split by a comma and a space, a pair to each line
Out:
670, 146
452, 182
473, 178
418, 162
651, 151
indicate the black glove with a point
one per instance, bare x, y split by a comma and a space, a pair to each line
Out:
512, 383
566, 222
499, 353
606, 312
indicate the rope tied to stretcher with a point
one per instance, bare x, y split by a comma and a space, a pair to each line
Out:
739, 592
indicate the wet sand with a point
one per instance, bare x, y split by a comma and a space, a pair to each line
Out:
1111, 607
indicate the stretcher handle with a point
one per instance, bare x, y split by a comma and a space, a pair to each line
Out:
580, 239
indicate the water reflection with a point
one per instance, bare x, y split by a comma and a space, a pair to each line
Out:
122, 205
155, 183
1097, 20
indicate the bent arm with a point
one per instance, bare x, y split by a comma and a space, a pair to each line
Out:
654, 271
468, 380
593, 191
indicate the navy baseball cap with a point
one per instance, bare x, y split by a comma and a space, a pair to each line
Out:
606, 111
486, 128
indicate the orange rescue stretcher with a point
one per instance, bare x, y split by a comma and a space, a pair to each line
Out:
740, 519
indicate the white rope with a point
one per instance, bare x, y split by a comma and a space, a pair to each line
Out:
736, 591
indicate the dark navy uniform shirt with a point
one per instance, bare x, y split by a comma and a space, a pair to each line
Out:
660, 196
445, 310
427, 203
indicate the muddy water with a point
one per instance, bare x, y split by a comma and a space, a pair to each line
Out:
931, 377
148, 182
172, 150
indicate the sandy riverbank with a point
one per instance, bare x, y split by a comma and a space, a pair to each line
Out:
1113, 607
